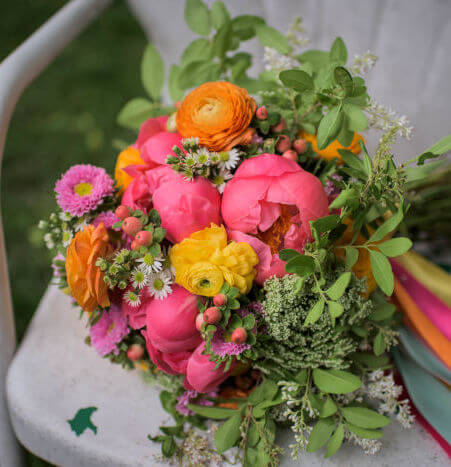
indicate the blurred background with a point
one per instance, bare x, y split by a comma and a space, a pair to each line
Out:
68, 115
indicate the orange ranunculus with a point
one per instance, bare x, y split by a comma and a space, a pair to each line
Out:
129, 156
332, 150
85, 279
218, 113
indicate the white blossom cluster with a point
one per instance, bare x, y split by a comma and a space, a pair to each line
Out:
274, 61
369, 446
297, 35
383, 118
362, 64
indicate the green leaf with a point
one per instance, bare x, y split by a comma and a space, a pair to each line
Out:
337, 290
223, 40
82, 421
167, 401
335, 309
228, 433
168, 447
441, 147
152, 72
388, 226
357, 120
338, 51
287, 254
370, 360
346, 197
335, 381
315, 313
301, 377
379, 344
320, 434
263, 392
253, 435
324, 224
364, 417
136, 112
301, 265
174, 91
329, 127
217, 413
344, 80
328, 408
352, 255
219, 15
395, 246
351, 160
199, 49
249, 322
196, 73
270, 37
383, 312
297, 79
335, 441
317, 58
197, 17
382, 272
365, 433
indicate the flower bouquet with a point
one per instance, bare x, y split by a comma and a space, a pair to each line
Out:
240, 255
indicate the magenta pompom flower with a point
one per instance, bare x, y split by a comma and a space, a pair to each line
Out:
191, 396
109, 331
82, 188
108, 218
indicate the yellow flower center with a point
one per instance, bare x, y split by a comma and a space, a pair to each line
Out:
158, 284
83, 189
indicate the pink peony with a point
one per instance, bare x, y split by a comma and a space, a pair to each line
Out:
170, 363
280, 200
185, 207
170, 322
137, 314
201, 374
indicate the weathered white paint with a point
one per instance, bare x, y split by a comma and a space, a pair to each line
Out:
16, 73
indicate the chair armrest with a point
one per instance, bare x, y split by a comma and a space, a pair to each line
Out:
17, 71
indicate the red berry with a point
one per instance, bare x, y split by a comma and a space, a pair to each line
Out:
239, 336
291, 155
135, 246
262, 113
131, 226
220, 299
135, 352
122, 212
212, 315
143, 238
300, 146
199, 321
279, 127
283, 144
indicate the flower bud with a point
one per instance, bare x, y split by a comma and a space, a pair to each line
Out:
300, 146
135, 352
131, 226
199, 321
279, 127
262, 113
291, 155
122, 212
220, 299
212, 315
239, 336
283, 144
143, 238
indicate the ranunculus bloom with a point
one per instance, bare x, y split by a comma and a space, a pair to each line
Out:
185, 207
170, 363
204, 261
201, 374
331, 151
218, 113
171, 322
84, 278
280, 200
128, 157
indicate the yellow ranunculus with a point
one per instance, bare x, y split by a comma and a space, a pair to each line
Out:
204, 261
129, 156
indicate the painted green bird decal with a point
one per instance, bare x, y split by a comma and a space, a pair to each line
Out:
82, 421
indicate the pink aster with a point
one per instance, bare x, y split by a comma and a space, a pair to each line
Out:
191, 396
109, 331
108, 218
222, 348
82, 188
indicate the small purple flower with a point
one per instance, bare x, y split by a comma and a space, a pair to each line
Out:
108, 218
330, 188
192, 396
222, 348
82, 188
109, 331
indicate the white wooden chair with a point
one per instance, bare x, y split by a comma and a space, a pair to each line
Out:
53, 373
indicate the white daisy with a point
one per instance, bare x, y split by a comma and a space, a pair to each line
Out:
80, 225
221, 179
66, 237
139, 278
215, 158
65, 216
190, 161
132, 298
229, 159
150, 264
160, 285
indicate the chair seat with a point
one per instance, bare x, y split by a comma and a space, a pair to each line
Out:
54, 374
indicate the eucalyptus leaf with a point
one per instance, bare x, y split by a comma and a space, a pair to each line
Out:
335, 441
382, 272
270, 37
335, 381
337, 290
320, 434
329, 127
395, 246
364, 417
152, 72
197, 17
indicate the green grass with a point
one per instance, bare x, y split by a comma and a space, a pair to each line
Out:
67, 116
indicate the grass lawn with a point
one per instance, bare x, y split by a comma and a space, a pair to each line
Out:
67, 116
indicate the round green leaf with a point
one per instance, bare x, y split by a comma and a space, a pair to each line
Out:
338, 51
219, 14
297, 79
364, 417
335, 381
197, 17
270, 37
301, 265
152, 72
199, 49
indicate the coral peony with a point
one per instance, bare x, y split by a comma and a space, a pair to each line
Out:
281, 199
219, 114
184, 207
84, 278
331, 151
201, 374
171, 322
129, 157
204, 261
136, 313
